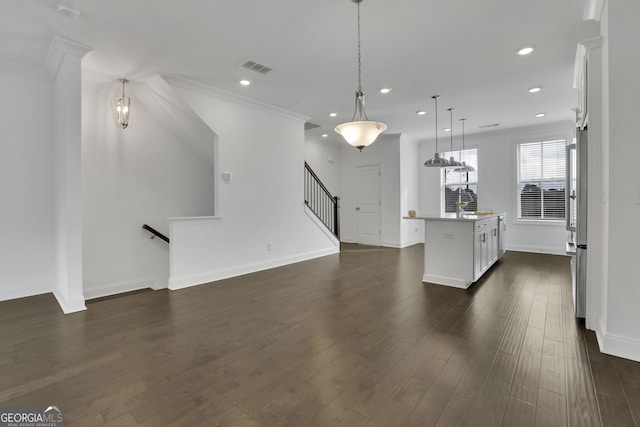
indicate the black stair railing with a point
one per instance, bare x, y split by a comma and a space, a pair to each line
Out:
320, 200
155, 233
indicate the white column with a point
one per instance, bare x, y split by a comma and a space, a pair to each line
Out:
64, 67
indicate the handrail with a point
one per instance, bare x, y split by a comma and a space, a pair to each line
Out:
320, 200
313, 174
155, 233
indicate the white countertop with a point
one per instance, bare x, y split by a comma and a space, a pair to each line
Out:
454, 217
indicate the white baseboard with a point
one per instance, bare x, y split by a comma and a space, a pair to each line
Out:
9, 292
538, 249
411, 243
70, 305
445, 281
616, 345
182, 282
121, 287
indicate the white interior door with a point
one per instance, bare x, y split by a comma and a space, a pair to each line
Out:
367, 205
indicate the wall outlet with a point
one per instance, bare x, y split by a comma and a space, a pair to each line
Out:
226, 176
448, 236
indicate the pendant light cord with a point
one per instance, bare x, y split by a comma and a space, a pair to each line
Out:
463, 120
359, 55
435, 98
451, 127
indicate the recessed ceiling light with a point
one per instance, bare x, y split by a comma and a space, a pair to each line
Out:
535, 89
324, 135
540, 115
245, 82
333, 114
447, 129
68, 10
525, 50
385, 90
421, 112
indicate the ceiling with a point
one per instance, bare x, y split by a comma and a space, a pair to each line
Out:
463, 50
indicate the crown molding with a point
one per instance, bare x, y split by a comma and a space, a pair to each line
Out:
60, 48
593, 10
205, 89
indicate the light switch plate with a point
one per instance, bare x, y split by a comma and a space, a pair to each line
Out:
226, 176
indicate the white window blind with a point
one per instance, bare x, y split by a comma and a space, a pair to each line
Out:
541, 180
454, 181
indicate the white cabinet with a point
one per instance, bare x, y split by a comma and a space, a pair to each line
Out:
478, 261
502, 234
458, 250
485, 246
495, 244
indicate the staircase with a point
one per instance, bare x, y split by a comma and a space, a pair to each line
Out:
320, 200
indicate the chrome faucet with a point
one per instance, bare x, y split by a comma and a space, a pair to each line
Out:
461, 205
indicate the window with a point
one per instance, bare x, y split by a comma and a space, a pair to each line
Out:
541, 180
456, 183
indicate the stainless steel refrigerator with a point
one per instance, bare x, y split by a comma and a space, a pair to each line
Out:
576, 214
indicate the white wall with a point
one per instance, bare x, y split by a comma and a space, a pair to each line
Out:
40, 177
411, 231
26, 185
497, 184
161, 166
324, 158
386, 153
621, 334
262, 219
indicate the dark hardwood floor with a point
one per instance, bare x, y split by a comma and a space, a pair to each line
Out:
350, 340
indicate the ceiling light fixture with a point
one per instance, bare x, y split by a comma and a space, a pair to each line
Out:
324, 135
465, 167
245, 82
525, 50
360, 131
385, 90
446, 129
436, 161
421, 112
68, 10
453, 163
540, 115
535, 89
121, 107
333, 114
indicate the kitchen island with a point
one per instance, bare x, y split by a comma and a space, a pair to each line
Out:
459, 249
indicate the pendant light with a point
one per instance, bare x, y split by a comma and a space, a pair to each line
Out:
453, 163
121, 107
360, 131
436, 161
465, 166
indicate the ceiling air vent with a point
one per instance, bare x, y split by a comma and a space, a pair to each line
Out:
491, 125
258, 68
